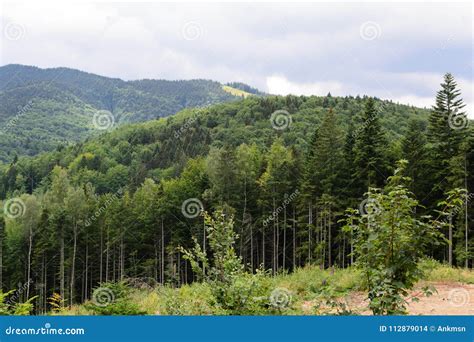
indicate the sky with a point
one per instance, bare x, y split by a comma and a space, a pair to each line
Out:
396, 51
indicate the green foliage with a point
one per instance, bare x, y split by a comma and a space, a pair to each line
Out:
235, 291
24, 309
111, 207
390, 240
113, 299
45, 109
16, 308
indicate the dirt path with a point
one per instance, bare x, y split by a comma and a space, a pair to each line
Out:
451, 299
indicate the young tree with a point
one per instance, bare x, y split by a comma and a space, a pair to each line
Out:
390, 241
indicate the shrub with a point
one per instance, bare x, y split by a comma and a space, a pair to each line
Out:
233, 290
17, 309
113, 299
390, 241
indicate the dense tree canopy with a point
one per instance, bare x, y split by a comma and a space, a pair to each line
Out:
128, 202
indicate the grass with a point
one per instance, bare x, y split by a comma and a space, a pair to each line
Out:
435, 271
305, 286
236, 92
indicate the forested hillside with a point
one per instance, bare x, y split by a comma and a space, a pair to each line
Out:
41, 109
127, 204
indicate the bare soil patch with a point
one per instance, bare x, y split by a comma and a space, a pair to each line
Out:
451, 298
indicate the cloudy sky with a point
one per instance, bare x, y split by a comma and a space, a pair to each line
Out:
396, 51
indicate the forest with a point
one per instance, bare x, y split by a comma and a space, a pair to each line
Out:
42, 108
235, 194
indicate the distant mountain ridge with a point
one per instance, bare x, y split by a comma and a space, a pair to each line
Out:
41, 107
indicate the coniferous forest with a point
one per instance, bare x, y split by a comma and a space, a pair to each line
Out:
233, 195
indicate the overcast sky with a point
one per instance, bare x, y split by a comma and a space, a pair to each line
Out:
395, 51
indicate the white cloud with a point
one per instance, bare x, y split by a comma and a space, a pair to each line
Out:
279, 85
310, 48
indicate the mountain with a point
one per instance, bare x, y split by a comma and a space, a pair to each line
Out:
160, 148
41, 108
281, 171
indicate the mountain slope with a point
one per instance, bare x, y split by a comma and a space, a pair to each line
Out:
40, 107
160, 148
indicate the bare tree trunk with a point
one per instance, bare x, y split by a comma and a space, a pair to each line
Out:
30, 248
329, 239
323, 259
107, 254
343, 256
466, 240
263, 246
122, 256
73, 266
155, 263
204, 245
162, 252
101, 266
251, 247
86, 282
352, 246
274, 237
45, 284
61, 268
310, 223
284, 239
2, 229
294, 238
450, 238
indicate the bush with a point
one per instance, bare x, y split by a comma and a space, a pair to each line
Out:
232, 290
17, 309
113, 299
390, 241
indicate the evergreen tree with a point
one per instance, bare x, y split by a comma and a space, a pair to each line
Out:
414, 150
369, 150
447, 130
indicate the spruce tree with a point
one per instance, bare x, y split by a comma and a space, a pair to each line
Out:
369, 154
447, 135
414, 150
447, 130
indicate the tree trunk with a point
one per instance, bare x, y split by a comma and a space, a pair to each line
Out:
73, 267
310, 223
101, 252
329, 240
162, 252
61, 267
2, 229
466, 240
30, 248
294, 238
86, 287
284, 239
450, 238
